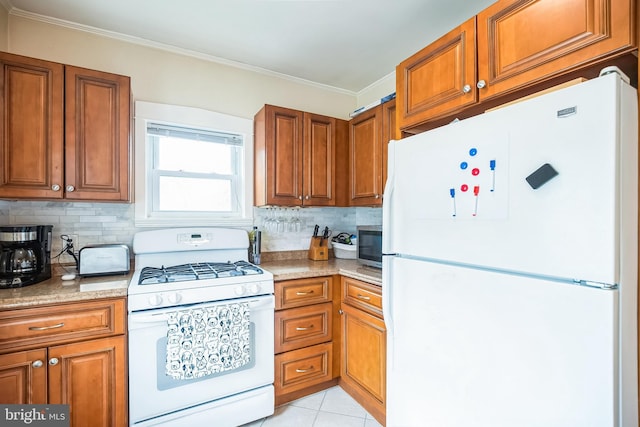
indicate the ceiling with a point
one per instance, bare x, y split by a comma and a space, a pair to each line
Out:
344, 44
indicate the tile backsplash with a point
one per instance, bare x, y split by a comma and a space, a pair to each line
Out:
97, 223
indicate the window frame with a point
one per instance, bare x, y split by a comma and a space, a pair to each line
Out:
195, 118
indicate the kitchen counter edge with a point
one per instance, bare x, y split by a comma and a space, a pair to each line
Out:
303, 268
58, 291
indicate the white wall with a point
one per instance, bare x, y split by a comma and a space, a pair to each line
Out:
377, 90
167, 77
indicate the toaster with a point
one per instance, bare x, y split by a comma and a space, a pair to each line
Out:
102, 260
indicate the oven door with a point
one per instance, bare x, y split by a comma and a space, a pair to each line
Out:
152, 393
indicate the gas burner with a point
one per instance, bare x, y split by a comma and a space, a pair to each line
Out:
196, 271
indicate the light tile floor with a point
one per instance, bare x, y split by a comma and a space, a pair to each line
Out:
329, 408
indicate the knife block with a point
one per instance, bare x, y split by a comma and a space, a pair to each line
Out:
317, 252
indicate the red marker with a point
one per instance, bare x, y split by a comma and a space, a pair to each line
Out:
476, 191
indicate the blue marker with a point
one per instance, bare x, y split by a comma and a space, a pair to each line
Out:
452, 192
492, 166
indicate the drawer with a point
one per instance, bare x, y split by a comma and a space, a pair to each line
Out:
55, 324
300, 292
300, 327
302, 368
362, 295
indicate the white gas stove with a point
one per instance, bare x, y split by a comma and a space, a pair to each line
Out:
201, 330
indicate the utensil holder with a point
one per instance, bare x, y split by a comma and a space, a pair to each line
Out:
319, 249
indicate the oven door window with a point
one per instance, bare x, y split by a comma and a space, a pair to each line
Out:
165, 382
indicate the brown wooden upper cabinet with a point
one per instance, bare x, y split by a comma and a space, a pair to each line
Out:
511, 45
64, 132
296, 158
369, 134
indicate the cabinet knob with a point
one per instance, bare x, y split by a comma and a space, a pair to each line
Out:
300, 197
53, 361
55, 187
70, 188
466, 88
306, 197
377, 196
481, 84
37, 364
340, 311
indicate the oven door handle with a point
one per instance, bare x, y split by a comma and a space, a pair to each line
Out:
152, 318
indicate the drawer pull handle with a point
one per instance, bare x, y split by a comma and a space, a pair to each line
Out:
300, 293
44, 328
302, 371
364, 298
300, 328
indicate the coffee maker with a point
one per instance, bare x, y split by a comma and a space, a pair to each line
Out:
25, 255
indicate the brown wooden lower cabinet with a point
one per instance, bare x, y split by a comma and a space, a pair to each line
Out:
307, 331
83, 365
364, 345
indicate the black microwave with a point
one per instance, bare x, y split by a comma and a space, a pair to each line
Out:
369, 247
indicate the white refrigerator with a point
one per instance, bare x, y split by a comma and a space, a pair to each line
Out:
510, 266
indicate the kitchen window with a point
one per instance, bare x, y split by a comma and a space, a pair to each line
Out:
193, 167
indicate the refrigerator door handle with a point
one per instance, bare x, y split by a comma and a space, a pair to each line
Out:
387, 200
387, 302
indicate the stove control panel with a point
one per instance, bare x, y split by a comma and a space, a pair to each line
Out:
195, 295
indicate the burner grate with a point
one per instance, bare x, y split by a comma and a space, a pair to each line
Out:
196, 271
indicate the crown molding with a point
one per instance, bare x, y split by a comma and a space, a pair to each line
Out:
166, 47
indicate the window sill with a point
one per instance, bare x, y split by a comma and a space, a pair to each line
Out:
193, 222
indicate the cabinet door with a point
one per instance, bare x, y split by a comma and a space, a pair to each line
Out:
31, 127
364, 345
23, 377
319, 160
521, 42
366, 158
438, 79
389, 133
97, 143
91, 377
278, 161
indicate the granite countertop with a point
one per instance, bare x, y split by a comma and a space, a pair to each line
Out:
302, 268
56, 290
